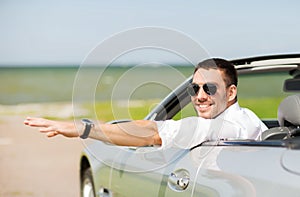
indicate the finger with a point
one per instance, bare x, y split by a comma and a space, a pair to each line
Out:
27, 120
47, 129
37, 122
51, 134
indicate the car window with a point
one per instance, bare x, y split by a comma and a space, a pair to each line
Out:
262, 93
187, 111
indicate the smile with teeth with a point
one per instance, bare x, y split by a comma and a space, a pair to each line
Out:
202, 107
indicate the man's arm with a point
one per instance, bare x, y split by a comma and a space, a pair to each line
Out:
135, 133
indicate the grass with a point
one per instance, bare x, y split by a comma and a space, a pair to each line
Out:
265, 108
55, 85
118, 110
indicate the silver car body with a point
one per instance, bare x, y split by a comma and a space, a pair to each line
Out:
270, 167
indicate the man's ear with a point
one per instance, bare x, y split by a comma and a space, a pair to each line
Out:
232, 92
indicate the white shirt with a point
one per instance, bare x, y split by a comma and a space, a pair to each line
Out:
234, 123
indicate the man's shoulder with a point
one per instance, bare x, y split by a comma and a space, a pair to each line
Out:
235, 110
234, 107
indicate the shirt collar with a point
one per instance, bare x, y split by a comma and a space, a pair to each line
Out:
234, 107
231, 109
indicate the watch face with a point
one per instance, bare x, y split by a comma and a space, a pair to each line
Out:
87, 121
88, 125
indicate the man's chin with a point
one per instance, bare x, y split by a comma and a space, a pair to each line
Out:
206, 115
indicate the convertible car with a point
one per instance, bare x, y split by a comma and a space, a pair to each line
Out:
226, 167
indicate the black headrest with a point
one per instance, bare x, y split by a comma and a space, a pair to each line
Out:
289, 111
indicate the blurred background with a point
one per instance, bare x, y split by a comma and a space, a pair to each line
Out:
44, 43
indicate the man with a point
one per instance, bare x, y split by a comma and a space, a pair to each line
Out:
214, 95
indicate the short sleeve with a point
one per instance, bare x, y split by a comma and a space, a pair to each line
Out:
184, 133
167, 130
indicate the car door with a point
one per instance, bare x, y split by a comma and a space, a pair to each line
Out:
246, 168
150, 171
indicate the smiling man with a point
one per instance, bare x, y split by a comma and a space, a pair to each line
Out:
214, 87
213, 93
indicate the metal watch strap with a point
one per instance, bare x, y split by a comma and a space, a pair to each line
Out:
88, 124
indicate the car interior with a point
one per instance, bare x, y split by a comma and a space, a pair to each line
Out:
288, 119
286, 126
288, 112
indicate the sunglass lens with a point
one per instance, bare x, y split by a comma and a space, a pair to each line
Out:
210, 89
193, 89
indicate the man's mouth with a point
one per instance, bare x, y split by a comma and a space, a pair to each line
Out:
203, 107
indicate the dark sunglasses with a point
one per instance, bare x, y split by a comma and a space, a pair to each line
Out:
209, 88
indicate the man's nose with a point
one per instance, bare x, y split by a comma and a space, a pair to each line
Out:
201, 94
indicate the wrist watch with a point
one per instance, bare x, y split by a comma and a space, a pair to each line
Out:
88, 124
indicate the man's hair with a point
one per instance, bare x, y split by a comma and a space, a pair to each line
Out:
227, 67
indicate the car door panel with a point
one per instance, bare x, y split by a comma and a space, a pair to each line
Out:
213, 171
148, 173
244, 171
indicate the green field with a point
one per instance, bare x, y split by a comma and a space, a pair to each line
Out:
61, 84
107, 111
125, 92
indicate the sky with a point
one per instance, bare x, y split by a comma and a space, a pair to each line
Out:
65, 32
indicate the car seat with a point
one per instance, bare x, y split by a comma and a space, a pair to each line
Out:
289, 111
289, 120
